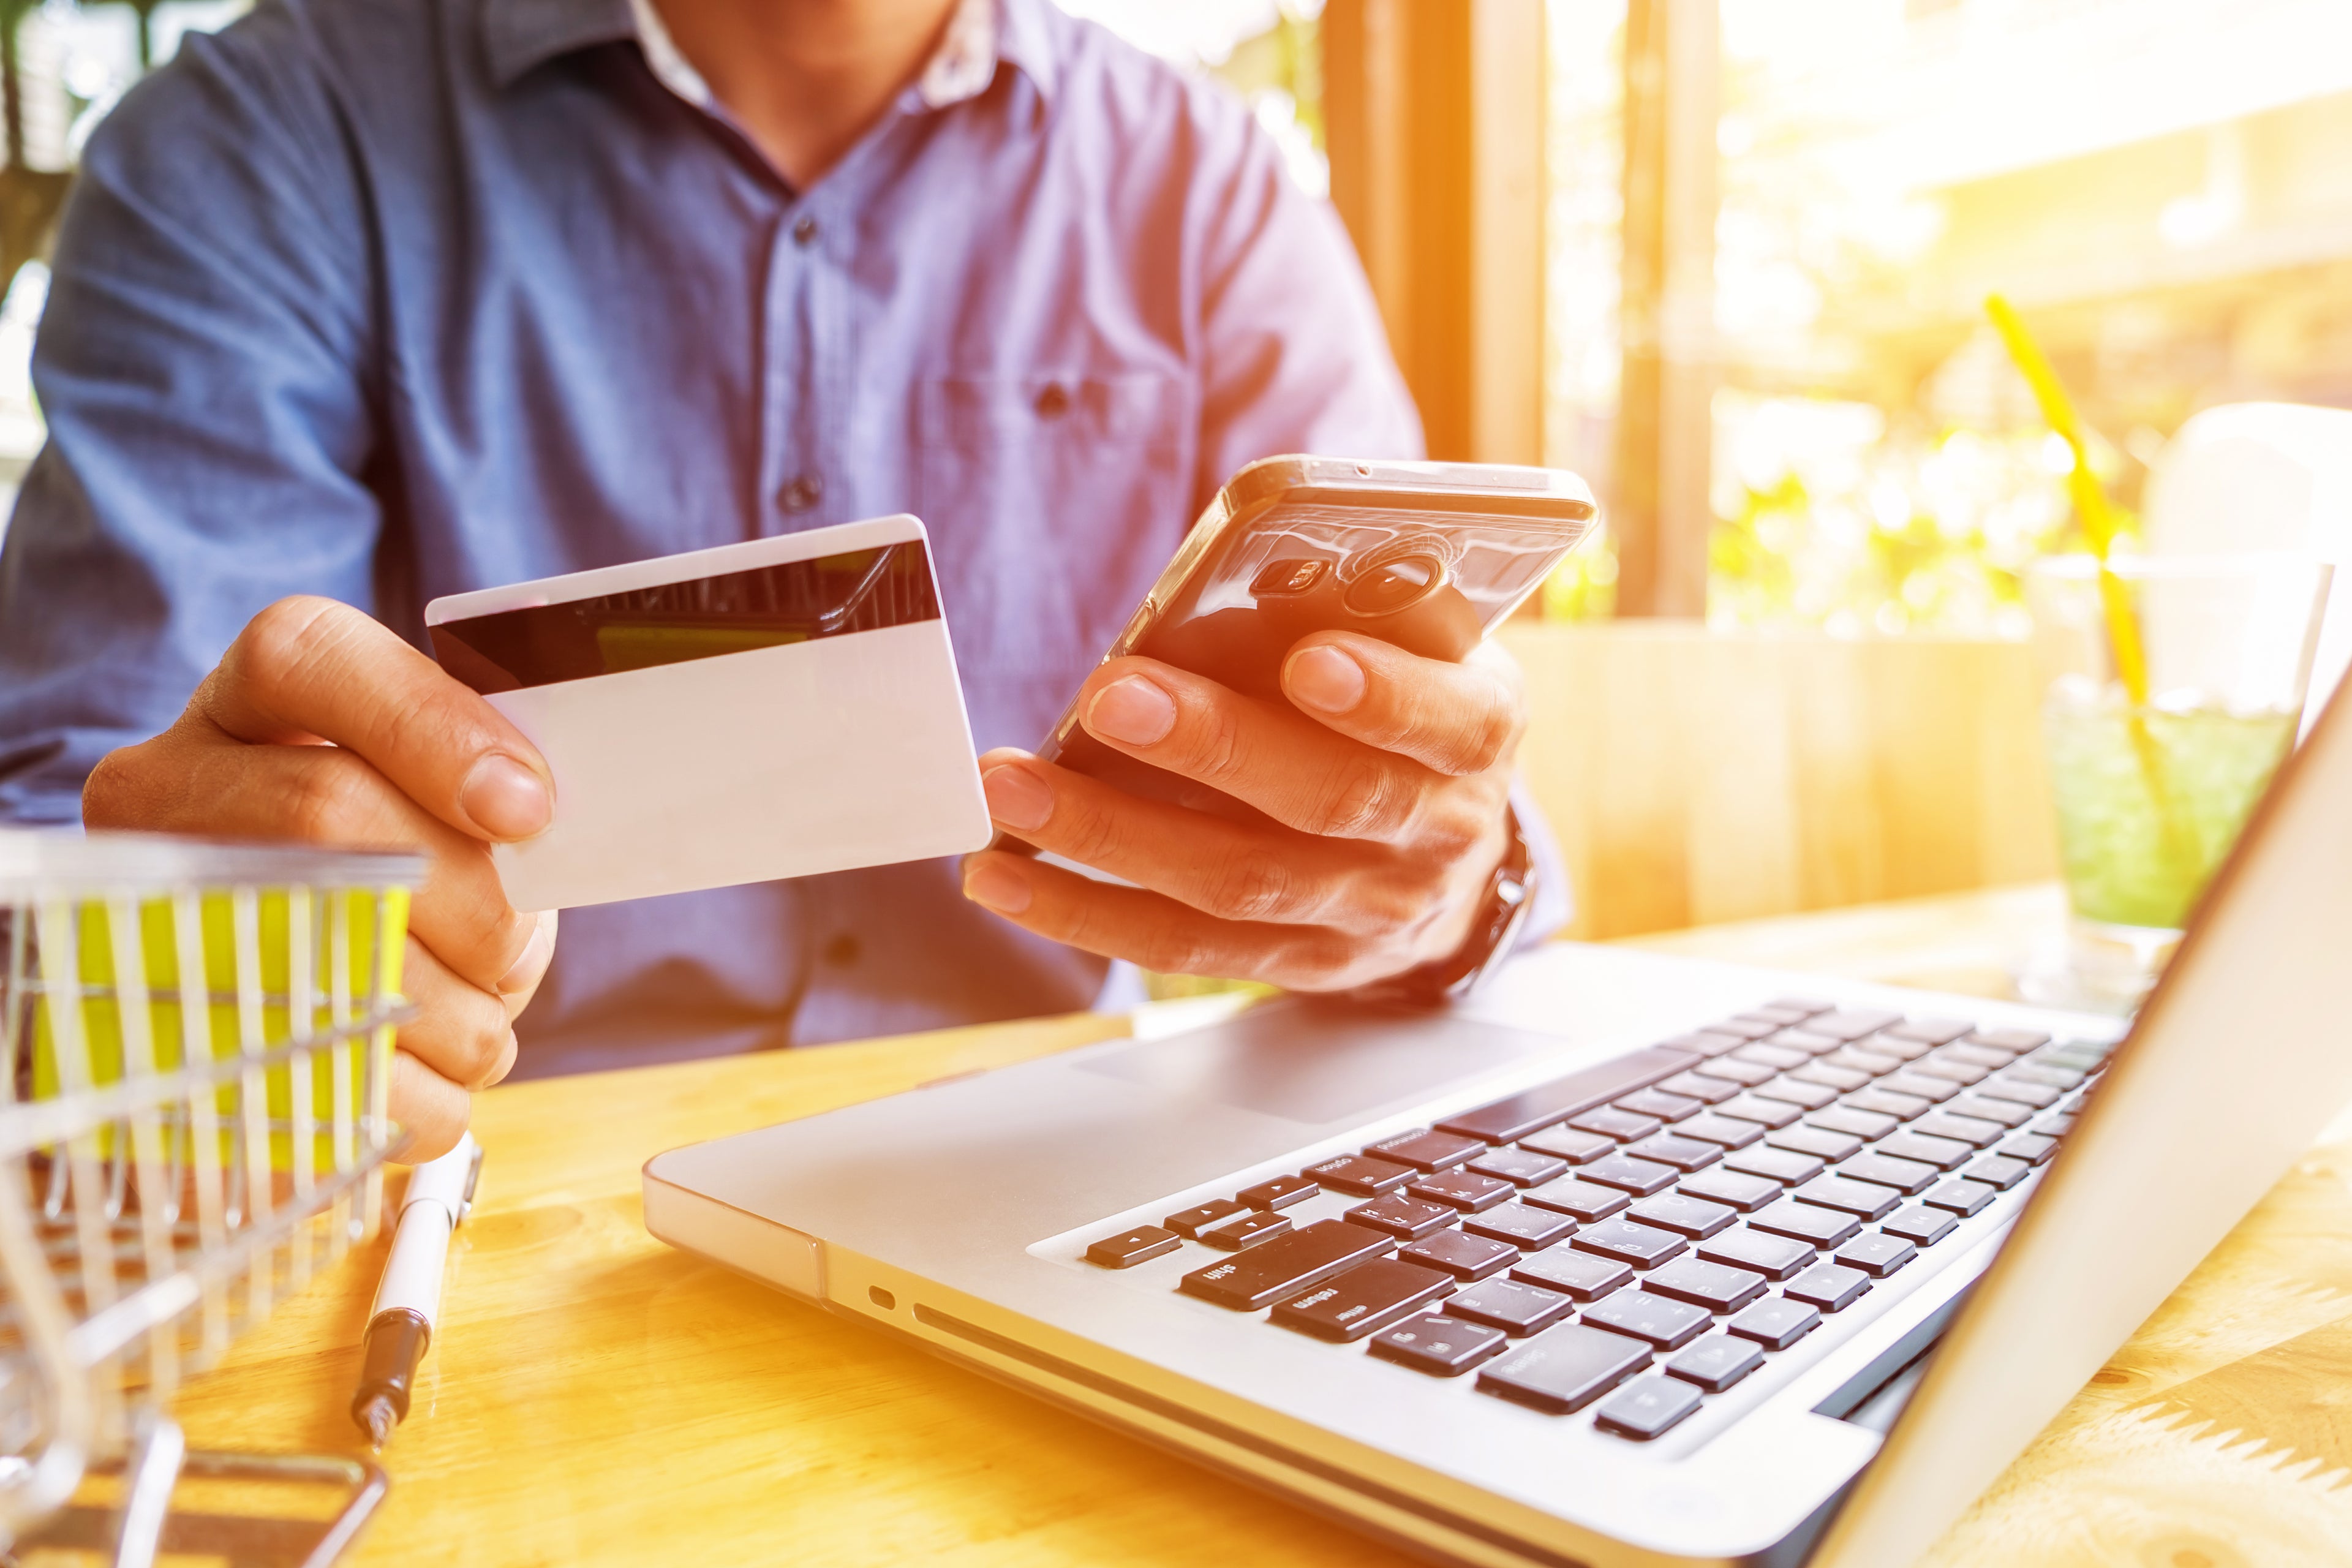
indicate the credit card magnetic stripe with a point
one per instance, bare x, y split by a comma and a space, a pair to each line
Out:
792, 602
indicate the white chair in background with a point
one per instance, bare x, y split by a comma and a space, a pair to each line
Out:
2251, 477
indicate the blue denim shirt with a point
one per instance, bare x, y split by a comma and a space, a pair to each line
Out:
391, 298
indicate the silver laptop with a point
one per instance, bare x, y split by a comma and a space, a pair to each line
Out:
1630, 1260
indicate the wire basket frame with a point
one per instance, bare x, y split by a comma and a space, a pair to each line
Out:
197, 1040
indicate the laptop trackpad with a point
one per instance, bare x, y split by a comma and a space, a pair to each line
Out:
1319, 1062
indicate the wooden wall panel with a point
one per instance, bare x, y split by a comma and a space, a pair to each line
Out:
1696, 777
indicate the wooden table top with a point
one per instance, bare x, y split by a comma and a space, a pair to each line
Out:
597, 1397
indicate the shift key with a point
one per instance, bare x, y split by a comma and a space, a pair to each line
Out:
1267, 1273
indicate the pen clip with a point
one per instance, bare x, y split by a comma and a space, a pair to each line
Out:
473, 1178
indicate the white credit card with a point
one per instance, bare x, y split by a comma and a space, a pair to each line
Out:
779, 708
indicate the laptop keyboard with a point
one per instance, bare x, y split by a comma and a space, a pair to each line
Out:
1649, 1231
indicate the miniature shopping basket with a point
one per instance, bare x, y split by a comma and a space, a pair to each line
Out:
198, 1039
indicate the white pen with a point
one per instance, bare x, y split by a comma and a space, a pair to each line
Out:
400, 1326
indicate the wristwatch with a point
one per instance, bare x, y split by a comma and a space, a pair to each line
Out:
1503, 909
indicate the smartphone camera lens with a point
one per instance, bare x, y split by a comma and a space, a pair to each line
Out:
1395, 585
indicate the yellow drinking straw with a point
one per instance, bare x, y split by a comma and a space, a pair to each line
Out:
2090, 497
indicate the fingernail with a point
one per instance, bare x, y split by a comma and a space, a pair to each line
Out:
1325, 679
533, 963
1017, 797
997, 886
1133, 710
506, 799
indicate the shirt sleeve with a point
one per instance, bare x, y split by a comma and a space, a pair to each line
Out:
209, 423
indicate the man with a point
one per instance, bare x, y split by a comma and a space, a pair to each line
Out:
364, 301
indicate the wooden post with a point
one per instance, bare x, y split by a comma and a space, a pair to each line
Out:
1660, 513
1435, 115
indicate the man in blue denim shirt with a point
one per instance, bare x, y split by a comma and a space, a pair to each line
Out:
373, 300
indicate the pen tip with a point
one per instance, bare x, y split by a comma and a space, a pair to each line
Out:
376, 1418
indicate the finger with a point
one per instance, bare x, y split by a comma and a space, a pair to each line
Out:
1234, 871
182, 782
429, 1109
1454, 719
312, 669
1300, 772
1156, 932
462, 1032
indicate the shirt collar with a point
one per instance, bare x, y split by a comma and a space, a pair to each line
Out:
524, 34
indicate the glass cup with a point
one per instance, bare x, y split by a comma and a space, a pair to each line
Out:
2151, 796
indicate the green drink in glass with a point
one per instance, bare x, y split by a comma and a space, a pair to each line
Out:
2151, 797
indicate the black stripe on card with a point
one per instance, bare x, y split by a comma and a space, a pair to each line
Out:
797, 601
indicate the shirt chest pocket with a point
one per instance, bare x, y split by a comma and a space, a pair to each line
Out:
1052, 501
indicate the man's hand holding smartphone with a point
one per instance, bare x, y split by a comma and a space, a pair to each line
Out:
1385, 778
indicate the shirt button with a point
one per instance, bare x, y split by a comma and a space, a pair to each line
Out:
801, 492
805, 232
1054, 402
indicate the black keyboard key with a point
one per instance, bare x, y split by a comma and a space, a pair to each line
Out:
1564, 1369
1672, 1149
1924, 1226
1776, 1322
1962, 1198
1579, 1200
1815, 1141
1704, 1042
1249, 1228
1865, 1125
1877, 1254
1285, 1266
1999, 1170
1717, 1287
1896, 1045
1646, 1407
1812, 1096
1781, 1164
1966, 1129
2057, 1078
1930, 1031
1567, 1143
1965, 1074
1517, 1310
1773, 1256
1784, 1016
2030, 1147
1735, 1188
1780, 1058
1280, 1192
1508, 1121
1365, 1298
1903, 1107
1426, 1151
1845, 1080
1354, 1173
1747, 1025
2012, 1040
2056, 1126
1832, 1286
1975, 1056
1906, 1176
1577, 1274
1723, 1131
1520, 1167
1928, 1150
1401, 1216
1643, 1246
1739, 1071
1689, 1216
1870, 1063
1464, 1190
1663, 1322
1463, 1257
1611, 1122
2039, 1096
1699, 1087
1715, 1362
1867, 1199
1438, 1345
1640, 1176
1920, 1085
1529, 1229
1768, 1112
1129, 1248
1852, 1023
1808, 1223
1188, 1221
1808, 1043
2008, 1112
1657, 1102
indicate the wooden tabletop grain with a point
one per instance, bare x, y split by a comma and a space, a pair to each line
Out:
596, 1397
